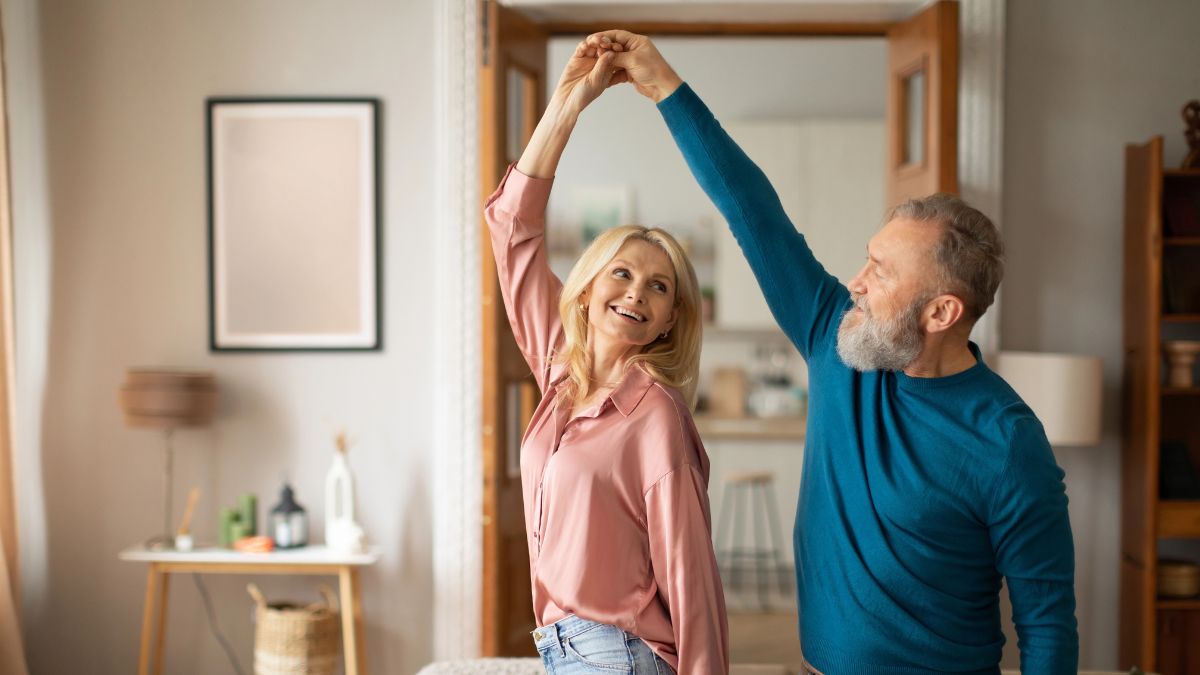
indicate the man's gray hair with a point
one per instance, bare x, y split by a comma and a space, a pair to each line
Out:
969, 253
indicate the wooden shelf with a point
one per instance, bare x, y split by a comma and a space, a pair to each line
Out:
764, 334
1152, 254
751, 428
1177, 603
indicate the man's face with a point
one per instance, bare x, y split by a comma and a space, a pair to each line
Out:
885, 328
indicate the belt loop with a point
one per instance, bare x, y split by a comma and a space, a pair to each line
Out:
558, 639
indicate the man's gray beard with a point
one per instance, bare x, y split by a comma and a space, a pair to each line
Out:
881, 345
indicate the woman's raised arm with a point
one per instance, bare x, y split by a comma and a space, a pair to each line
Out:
516, 214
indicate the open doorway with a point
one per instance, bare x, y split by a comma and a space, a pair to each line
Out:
501, 405
810, 112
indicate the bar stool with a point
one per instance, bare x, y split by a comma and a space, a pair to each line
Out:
763, 550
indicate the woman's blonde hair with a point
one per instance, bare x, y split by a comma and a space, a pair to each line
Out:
673, 360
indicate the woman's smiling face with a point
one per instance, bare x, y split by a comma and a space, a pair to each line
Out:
632, 300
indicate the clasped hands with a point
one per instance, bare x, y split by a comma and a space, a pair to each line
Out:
613, 57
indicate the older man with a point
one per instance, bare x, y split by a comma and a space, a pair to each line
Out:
926, 478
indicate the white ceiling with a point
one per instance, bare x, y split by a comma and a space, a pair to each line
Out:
691, 11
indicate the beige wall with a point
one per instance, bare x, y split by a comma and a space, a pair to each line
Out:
115, 276
1083, 79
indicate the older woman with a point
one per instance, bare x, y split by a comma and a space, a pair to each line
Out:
613, 471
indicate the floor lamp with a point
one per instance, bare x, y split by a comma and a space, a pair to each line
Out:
167, 400
1063, 390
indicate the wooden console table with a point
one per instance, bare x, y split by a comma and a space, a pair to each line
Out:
312, 560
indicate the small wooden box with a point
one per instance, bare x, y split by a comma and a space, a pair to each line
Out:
728, 395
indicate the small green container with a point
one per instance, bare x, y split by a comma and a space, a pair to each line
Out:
248, 510
225, 521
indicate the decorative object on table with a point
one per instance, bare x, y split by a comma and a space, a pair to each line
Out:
291, 638
248, 512
294, 260
342, 533
1191, 133
183, 536
1178, 578
256, 544
289, 522
167, 400
1063, 390
238, 531
727, 394
1176, 472
225, 522
1181, 362
772, 394
775, 398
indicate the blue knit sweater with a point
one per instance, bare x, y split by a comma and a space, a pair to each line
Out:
918, 495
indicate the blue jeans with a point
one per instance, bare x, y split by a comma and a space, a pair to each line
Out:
575, 646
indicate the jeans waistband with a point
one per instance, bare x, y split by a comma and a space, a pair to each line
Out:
559, 631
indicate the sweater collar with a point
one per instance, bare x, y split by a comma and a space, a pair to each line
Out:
968, 375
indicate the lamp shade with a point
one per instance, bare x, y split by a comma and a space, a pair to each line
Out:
1063, 390
167, 399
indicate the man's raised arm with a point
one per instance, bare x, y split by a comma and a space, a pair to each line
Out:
806, 301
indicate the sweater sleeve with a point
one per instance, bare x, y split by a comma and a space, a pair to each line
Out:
806, 301
685, 570
1031, 536
516, 218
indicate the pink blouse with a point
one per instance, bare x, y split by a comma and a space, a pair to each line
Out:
616, 501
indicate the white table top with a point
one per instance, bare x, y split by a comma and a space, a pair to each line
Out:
309, 555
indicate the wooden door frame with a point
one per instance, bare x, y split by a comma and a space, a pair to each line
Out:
456, 498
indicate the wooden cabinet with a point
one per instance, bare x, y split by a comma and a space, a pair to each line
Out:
1161, 291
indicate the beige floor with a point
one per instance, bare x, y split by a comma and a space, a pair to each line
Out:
764, 638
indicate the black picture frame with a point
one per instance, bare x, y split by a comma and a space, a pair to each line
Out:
294, 200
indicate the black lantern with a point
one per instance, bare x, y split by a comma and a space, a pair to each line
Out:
289, 522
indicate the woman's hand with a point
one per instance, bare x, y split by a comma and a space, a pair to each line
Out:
587, 74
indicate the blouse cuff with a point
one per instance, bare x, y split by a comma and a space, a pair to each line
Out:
520, 195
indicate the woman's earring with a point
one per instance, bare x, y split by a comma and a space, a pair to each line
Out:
665, 334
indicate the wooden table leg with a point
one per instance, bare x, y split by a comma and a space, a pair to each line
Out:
350, 597
148, 619
164, 581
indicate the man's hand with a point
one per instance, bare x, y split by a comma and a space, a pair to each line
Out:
639, 62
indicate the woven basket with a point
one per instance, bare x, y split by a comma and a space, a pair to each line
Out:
292, 639
1178, 578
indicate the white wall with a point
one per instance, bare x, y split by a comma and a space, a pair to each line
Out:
116, 277
1083, 79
